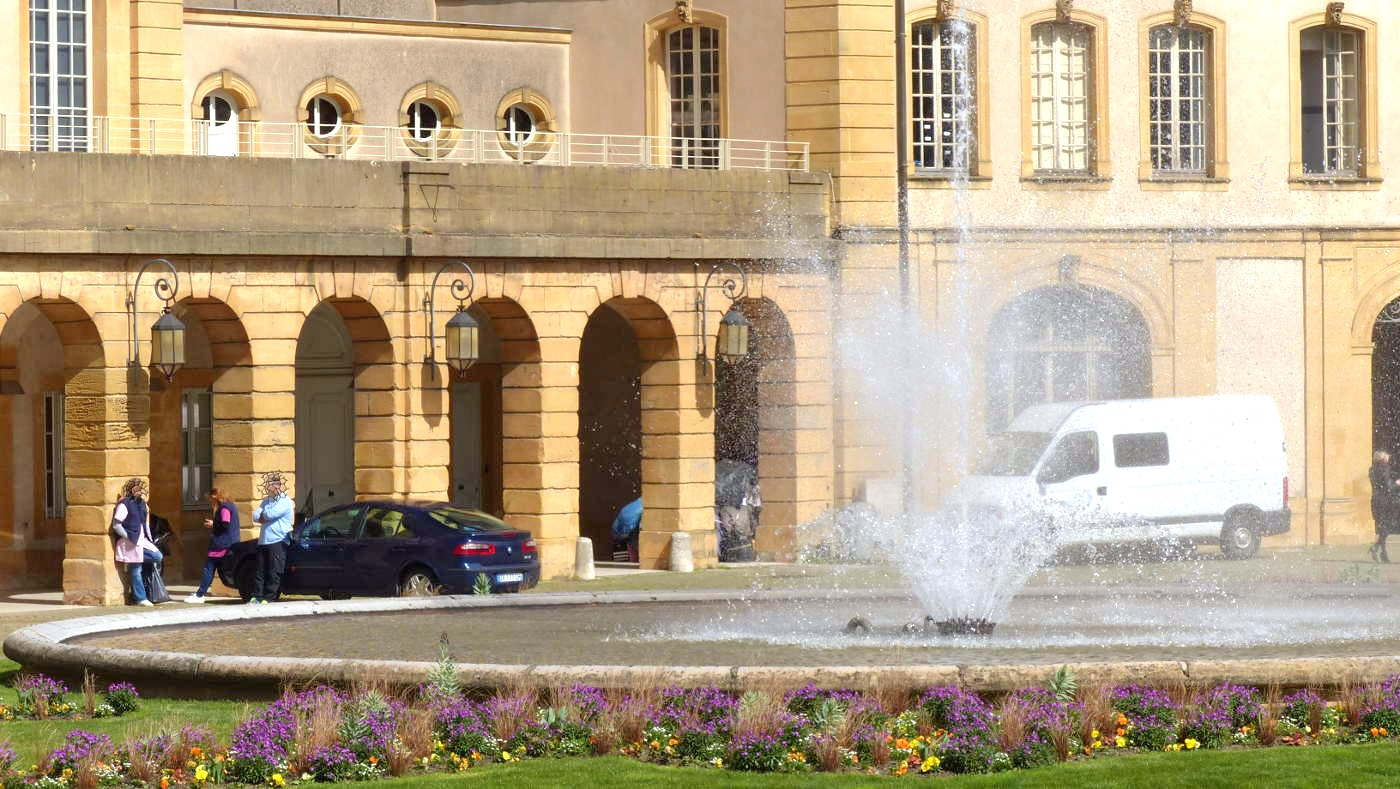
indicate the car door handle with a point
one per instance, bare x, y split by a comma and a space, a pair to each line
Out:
1103, 490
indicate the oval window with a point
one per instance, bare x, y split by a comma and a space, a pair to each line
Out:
423, 120
322, 116
520, 125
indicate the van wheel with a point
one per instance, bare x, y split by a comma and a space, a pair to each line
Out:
245, 577
1240, 538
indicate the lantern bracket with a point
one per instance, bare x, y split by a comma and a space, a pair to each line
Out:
734, 283
461, 291
164, 291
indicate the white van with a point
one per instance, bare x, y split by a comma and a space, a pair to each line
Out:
1196, 469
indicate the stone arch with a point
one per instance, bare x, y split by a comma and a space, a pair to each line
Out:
675, 471
1149, 302
756, 421
1065, 342
352, 357
351, 116
80, 441
203, 435
233, 84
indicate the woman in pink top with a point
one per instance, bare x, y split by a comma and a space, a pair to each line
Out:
223, 533
131, 525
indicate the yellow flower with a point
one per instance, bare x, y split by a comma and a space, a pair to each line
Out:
200, 773
1120, 741
929, 765
505, 756
673, 741
654, 744
1095, 734
1191, 744
278, 780
903, 768
476, 757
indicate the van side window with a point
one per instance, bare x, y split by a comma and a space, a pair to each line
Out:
1075, 455
1135, 450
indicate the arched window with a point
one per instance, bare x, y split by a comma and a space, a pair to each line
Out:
323, 116
1179, 94
219, 113
519, 126
695, 82
1065, 343
943, 84
424, 120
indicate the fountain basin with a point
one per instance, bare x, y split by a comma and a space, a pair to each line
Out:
1320, 635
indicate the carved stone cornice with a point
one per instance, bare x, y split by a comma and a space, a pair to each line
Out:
1182, 11
1334, 14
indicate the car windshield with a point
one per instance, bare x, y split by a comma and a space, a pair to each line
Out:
463, 519
1013, 454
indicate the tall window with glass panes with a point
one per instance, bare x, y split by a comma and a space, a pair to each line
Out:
1329, 64
1062, 112
58, 75
1178, 91
693, 79
943, 94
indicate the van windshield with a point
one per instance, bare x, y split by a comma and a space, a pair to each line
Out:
1013, 454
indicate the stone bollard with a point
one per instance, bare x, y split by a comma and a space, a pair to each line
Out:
682, 560
583, 560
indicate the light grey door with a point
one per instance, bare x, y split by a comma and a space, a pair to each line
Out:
466, 444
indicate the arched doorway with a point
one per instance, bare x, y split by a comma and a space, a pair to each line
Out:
325, 412
220, 126
1385, 380
475, 409
755, 433
610, 425
1065, 343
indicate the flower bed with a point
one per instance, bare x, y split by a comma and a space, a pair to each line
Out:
328, 735
43, 698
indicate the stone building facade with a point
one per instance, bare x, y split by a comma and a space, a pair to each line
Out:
1206, 180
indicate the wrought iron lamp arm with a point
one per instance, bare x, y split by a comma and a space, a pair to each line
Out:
461, 291
734, 285
164, 291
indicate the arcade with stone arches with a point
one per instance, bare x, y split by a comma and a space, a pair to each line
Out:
320, 372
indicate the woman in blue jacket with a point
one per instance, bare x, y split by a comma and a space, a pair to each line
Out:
223, 533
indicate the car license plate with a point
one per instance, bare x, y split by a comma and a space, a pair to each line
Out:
510, 578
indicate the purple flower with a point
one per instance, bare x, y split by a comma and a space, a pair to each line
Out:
331, 763
77, 747
590, 701
7, 757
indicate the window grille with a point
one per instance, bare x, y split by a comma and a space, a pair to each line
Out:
58, 75
197, 446
1062, 125
693, 75
54, 499
943, 94
1177, 90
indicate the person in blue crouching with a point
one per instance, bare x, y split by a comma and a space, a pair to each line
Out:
627, 526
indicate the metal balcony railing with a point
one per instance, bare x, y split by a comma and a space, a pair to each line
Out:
184, 137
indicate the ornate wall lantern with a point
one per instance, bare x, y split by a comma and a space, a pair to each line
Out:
733, 341
168, 333
462, 335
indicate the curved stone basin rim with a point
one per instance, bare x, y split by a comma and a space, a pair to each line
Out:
44, 647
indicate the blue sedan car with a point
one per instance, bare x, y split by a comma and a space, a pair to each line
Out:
385, 548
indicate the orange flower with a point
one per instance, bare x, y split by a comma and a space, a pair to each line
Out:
195, 752
374, 760
164, 783
1384, 733
901, 743
673, 742
1375, 732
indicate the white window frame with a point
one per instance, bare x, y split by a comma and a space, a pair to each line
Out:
1179, 99
69, 123
1062, 98
313, 116
943, 85
416, 129
196, 478
515, 137
55, 500
695, 116
1340, 134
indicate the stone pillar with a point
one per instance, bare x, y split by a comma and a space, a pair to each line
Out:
1347, 419
157, 76
678, 455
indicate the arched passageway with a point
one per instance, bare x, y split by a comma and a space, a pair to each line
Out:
345, 406
610, 426
61, 478
1065, 343
755, 437
1385, 380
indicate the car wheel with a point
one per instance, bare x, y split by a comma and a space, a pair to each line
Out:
1240, 537
246, 577
418, 583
